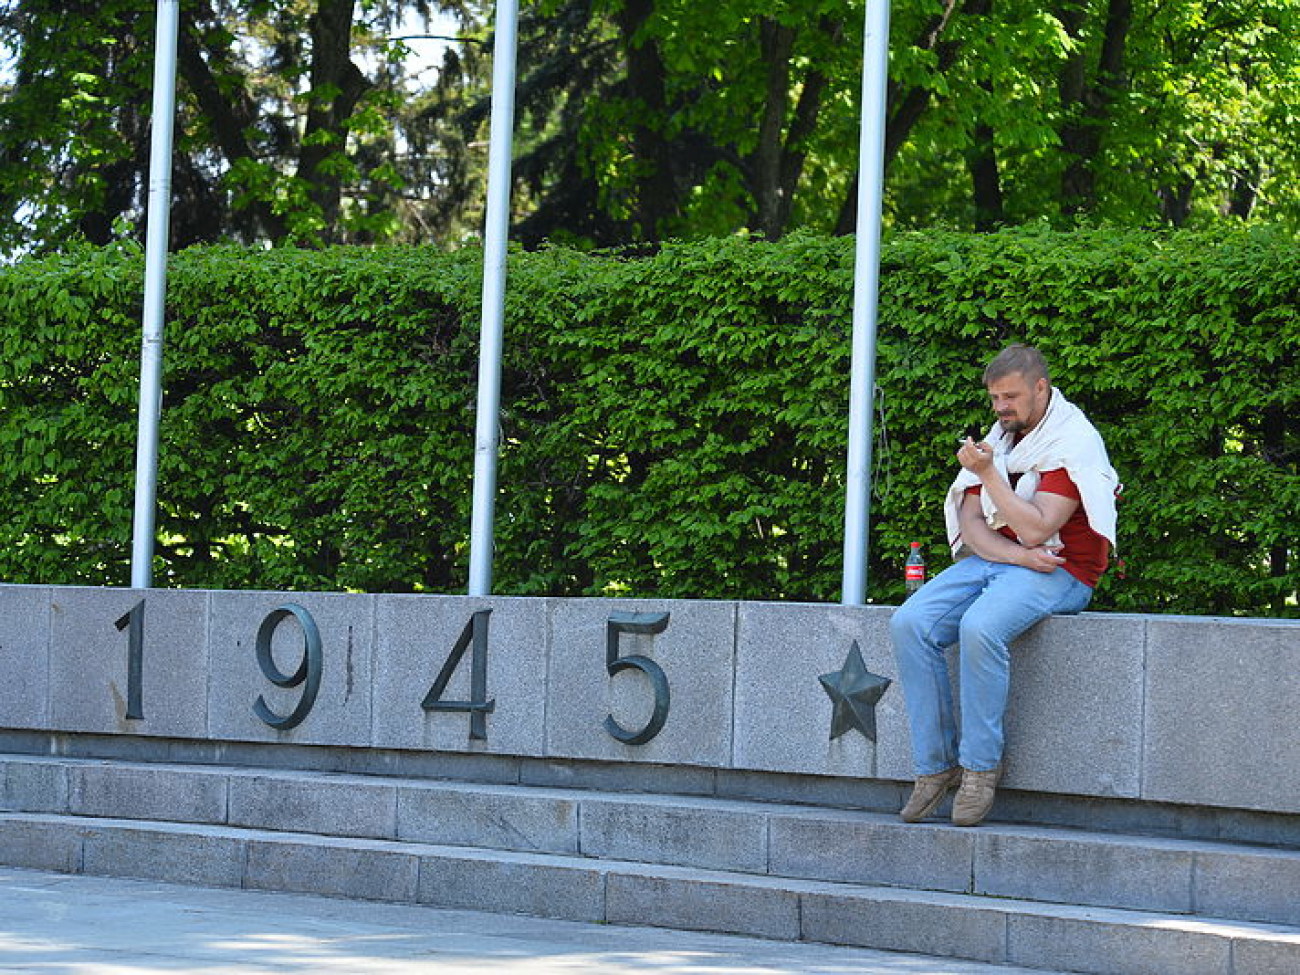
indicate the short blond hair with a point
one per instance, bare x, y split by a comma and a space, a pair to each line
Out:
1017, 358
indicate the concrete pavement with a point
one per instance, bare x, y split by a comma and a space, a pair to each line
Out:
57, 924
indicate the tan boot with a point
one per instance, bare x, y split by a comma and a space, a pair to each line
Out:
928, 793
975, 797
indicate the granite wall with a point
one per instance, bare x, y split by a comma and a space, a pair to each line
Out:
1170, 709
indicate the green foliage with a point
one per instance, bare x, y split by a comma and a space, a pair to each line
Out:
672, 425
704, 119
295, 121
332, 121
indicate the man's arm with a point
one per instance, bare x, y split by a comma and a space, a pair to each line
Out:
996, 547
1034, 519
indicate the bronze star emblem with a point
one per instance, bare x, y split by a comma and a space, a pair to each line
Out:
854, 691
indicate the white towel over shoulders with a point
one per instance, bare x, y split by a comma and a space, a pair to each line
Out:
1063, 438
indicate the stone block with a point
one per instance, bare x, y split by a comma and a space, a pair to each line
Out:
664, 829
483, 816
192, 856
166, 793
877, 795
1074, 719
1251, 884
783, 713
694, 653
1263, 954
25, 656
91, 661
366, 870
415, 636
682, 780
39, 842
685, 900
870, 849
1109, 871
515, 883
1104, 942
927, 923
314, 803
33, 785
1220, 713
341, 712
466, 766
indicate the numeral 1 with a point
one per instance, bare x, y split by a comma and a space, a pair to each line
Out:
133, 623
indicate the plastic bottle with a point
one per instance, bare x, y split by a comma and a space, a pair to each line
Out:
914, 569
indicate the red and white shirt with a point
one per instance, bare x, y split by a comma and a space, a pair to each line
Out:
1086, 553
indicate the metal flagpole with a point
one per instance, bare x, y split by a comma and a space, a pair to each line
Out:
155, 292
866, 292
496, 232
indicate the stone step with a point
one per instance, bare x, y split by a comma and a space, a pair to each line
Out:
992, 929
1048, 864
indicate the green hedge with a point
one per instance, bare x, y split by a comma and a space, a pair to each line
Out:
673, 425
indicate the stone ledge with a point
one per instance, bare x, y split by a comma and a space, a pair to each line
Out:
1175, 710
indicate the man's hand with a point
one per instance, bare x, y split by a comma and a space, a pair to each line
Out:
1034, 520
975, 457
1040, 558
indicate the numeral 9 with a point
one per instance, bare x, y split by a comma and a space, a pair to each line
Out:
307, 674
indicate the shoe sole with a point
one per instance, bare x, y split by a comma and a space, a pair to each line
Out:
964, 823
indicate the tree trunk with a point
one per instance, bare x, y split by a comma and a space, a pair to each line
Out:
656, 189
1176, 201
986, 183
775, 166
904, 109
231, 115
120, 182
765, 163
336, 87
1087, 105
1245, 193
801, 127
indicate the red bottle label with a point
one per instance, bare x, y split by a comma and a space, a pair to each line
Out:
914, 573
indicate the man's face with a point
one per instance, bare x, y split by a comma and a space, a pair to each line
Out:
1018, 403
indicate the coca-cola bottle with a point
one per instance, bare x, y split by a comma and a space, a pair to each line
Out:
914, 569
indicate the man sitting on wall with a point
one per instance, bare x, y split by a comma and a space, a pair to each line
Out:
1031, 522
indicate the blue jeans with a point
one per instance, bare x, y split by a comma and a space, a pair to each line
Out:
982, 606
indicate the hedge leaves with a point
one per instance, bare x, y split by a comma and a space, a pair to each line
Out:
672, 425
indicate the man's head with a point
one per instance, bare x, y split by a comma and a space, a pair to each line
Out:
1019, 387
